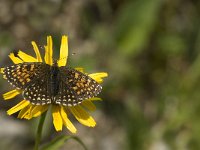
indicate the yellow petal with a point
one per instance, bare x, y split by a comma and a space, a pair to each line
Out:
68, 124
11, 94
49, 51
18, 107
89, 105
63, 51
57, 119
37, 52
2, 70
82, 116
98, 76
15, 59
79, 69
38, 110
26, 58
95, 99
25, 111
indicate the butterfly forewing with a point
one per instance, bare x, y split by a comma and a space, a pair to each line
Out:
21, 75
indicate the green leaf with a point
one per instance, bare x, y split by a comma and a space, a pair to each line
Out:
136, 21
58, 142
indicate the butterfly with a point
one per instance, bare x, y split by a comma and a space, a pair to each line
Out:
44, 84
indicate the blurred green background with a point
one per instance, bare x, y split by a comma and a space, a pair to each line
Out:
151, 50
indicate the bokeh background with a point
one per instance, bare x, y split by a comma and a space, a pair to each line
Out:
151, 50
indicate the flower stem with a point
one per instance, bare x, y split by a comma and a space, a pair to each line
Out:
39, 131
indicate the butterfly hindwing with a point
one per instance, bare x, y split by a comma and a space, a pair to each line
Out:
66, 96
39, 92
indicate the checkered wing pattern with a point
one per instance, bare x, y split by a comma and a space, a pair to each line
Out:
43, 84
22, 75
39, 92
75, 87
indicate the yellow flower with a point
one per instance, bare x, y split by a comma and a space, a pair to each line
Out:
59, 112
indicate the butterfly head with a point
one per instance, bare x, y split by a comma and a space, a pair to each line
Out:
55, 62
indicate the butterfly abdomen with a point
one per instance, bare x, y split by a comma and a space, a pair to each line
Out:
55, 80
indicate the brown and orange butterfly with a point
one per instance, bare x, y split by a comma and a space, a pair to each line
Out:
44, 84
